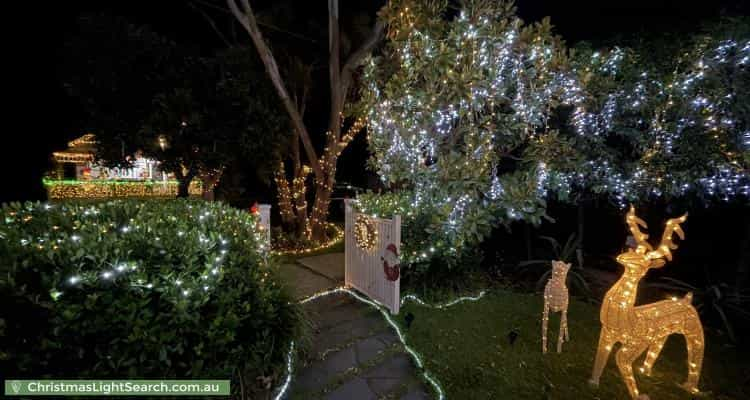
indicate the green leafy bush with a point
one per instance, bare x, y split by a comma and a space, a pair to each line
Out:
140, 289
439, 237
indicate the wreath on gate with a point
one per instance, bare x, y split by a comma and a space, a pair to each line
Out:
365, 232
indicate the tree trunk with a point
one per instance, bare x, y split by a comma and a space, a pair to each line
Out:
320, 207
209, 182
300, 203
183, 186
184, 177
323, 167
286, 208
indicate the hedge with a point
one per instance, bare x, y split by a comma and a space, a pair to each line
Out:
125, 288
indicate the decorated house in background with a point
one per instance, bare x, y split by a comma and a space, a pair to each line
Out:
76, 174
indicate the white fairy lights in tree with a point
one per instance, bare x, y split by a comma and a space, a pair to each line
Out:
686, 128
456, 102
466, 95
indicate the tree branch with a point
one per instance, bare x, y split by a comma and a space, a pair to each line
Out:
356, 58
260, 23
212, 23
334, 71
248, 22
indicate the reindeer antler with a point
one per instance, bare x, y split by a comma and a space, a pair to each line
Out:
666, 245
634, 224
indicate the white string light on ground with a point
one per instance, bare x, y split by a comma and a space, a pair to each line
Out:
414, 298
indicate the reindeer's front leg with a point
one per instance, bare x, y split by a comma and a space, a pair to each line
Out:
606, 341
695, 345
545, 318
652, 354
564, 322
563, 330
624, 359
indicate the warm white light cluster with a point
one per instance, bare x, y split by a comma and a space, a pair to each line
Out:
365, 232
338, 236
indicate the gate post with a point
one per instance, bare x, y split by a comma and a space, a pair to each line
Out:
396, 300
348, 241
265, 222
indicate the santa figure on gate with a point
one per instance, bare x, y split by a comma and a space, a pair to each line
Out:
391, 266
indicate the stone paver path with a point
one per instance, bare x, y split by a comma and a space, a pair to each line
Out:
354, 354
330, 265
304, 283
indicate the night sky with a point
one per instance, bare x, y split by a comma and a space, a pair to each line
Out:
45, 117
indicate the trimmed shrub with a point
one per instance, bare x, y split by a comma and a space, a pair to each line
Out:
125, 288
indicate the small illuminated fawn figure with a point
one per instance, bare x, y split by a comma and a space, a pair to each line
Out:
556, 300
646, 327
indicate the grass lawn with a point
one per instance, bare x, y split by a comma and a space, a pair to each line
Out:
467, 348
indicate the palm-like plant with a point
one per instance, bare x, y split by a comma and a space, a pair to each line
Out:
715, 300
567, 253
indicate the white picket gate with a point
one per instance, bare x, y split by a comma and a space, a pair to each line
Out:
375, 272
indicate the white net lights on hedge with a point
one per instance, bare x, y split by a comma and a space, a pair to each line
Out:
556, 300
645, 328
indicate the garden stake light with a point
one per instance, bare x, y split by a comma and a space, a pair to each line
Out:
646, 327
556, 300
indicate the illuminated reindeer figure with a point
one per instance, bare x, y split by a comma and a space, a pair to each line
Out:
646, 327
556, 300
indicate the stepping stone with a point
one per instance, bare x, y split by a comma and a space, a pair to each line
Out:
368, 349
356, 388
317, 375
391, 373
303, 282
337, 315
416, 394
329, 265
349, 338
396, 367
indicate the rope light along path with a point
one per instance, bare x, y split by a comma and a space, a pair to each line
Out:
453, 302
281, 392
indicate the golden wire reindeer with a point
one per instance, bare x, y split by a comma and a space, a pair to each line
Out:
556, 300
646, 327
